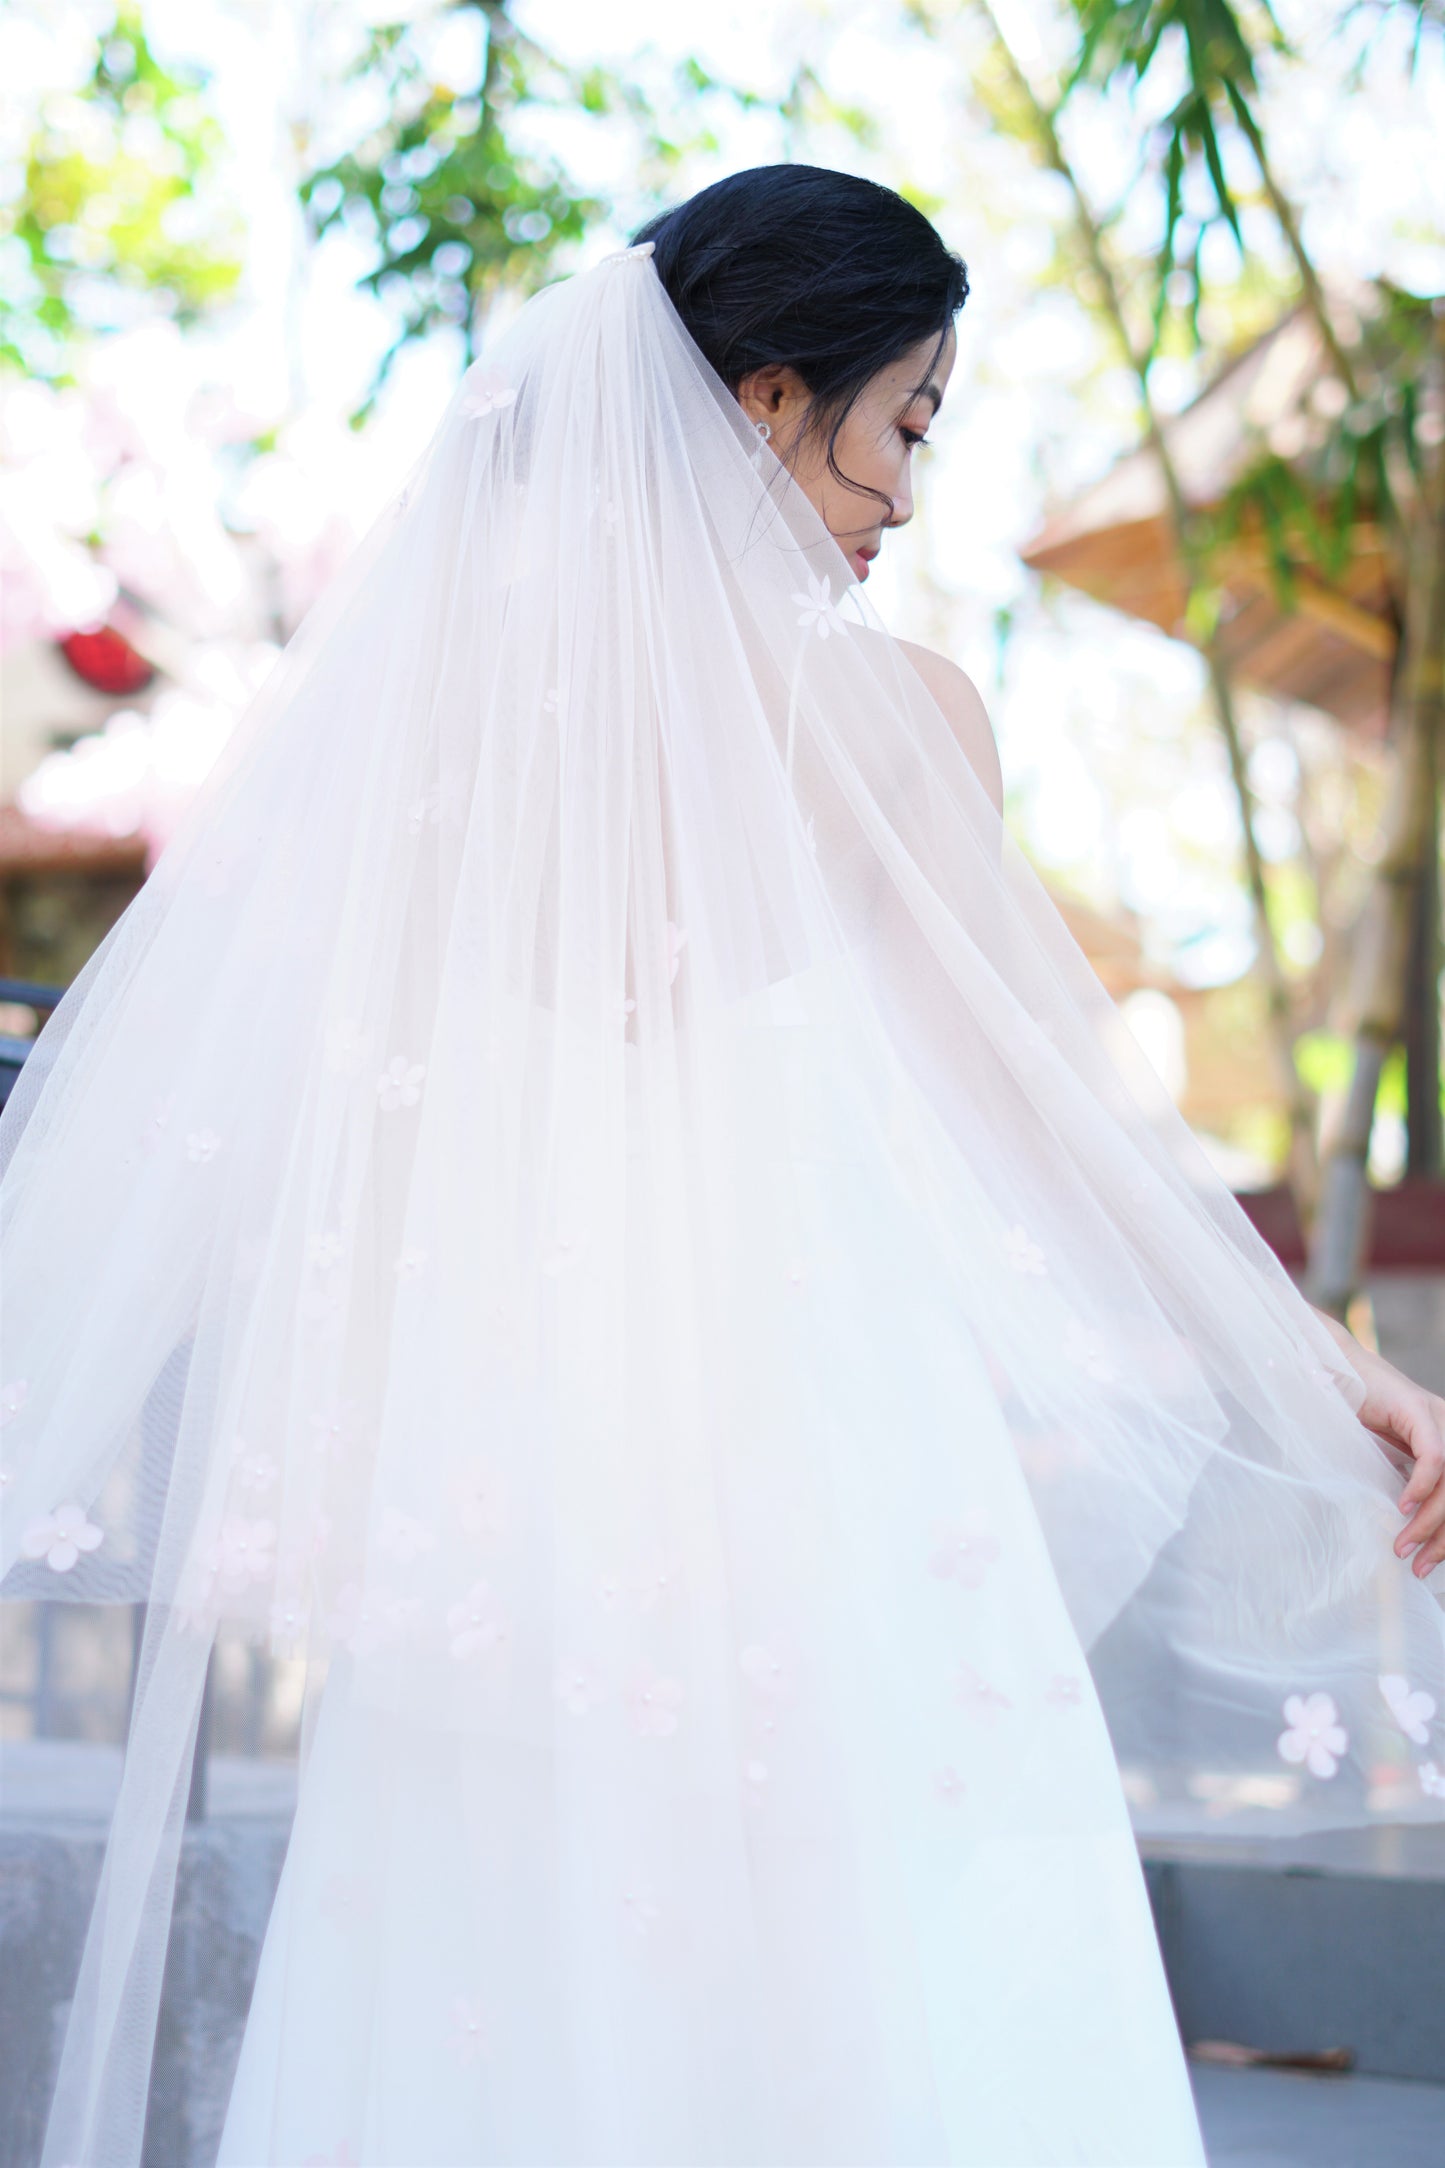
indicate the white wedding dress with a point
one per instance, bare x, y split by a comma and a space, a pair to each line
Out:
877, 1900
593, 1203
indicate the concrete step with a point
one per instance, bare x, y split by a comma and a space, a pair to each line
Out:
1302, 1948
1278, 2119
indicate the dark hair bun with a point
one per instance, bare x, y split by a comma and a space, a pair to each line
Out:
829, 273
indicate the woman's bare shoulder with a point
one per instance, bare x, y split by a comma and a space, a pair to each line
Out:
958, 697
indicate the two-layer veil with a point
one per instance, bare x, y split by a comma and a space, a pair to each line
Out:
593, 1193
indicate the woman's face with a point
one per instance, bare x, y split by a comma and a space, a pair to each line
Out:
875, 444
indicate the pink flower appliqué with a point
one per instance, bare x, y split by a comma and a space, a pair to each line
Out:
1064, 1691
651, 1587
967, 1550
578, 1685
949, 1785
334, 1428
242, 1552
254, 1471
477, 1625
343, 2157
404, 1538
201, 1145
974, 1693
61, 1536
13, 1398
654, 1703
1315, 1736
1411, 1711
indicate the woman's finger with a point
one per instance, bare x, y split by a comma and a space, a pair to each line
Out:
1424, 1437
1426, 1529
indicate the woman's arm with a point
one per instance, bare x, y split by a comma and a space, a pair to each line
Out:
1403, 1413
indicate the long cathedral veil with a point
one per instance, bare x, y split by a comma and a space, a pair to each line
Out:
593, 1184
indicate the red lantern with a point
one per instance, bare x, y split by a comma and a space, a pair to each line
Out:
106, 661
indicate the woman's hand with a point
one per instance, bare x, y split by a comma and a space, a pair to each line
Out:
1404, 1414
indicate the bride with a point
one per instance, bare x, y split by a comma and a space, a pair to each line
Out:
592, 1207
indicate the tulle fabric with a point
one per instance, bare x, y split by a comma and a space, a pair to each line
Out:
593, 1201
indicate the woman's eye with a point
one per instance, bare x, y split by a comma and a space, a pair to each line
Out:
914, 439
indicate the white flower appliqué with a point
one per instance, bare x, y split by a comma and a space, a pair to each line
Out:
1022, 1252
347, 1046
1085, 1346
483, 395
399, 1084
949, 1785
641, 1910
427, 808
564, 1252
13, 1398
154, 1132
818, 610
201, 1145
1411, 1711
1432, 1780
469, 2028
1315, 1736
61, 1536
676, 943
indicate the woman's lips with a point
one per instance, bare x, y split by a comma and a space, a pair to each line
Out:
862, 559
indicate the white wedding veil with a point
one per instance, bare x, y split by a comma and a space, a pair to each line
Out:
593, 1179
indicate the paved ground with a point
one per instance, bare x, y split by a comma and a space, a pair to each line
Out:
1282, 2119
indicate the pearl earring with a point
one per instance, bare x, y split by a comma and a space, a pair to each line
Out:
764, 430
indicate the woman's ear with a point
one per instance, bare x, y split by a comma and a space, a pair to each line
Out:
776, 395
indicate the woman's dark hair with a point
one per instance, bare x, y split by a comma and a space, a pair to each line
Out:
827, 272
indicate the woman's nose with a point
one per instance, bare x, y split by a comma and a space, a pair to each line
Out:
902, 511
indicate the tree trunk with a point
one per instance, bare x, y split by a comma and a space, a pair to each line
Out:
1302, 1170
1401, 894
